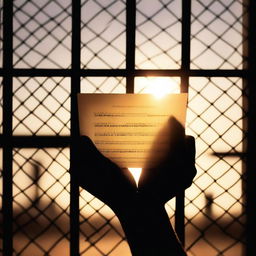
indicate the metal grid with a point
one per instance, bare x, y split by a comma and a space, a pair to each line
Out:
45, 69
41, 201
41, 105
42, 34
215, 203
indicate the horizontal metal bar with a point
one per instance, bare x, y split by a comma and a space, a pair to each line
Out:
125, 73
229, 154
218, 73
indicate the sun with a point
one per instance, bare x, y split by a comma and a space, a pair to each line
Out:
161, 86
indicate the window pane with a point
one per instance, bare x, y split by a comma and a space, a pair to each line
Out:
41, 201
41, 106
217, 34
103, 34
42, 34
215, 202
158, 34
103, 85
100, 230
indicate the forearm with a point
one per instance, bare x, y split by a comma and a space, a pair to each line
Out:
148, 230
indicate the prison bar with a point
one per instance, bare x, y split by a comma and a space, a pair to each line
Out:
130, 45
75, 88
185, 67
250, 160
7, 129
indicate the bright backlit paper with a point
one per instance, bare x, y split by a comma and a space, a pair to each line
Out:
124, 126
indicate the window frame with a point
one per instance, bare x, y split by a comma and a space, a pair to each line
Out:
130, 72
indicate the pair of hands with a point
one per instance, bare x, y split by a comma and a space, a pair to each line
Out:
141, 209
172, 173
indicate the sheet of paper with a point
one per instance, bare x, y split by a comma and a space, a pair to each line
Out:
124, 126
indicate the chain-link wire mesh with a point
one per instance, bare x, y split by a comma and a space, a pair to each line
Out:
41, 201
42, 34
215, 202
103, 85
41, 106
103, 33
214, 205
158, 34
216, 34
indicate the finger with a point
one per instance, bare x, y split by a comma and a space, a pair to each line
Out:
191, 152
190, 147
87, 146
176, 132
99, 161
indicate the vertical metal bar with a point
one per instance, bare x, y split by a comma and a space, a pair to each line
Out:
185, 66
75, 88
7, 128
250, 161
130, 44
185, 48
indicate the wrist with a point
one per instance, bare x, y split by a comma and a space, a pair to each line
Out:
148, 229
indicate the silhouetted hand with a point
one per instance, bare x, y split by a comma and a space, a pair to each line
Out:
173, 171
141, 210
101, 177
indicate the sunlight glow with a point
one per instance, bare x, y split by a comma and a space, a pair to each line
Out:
136, 172
160, 86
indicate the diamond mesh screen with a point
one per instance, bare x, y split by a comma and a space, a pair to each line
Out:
215, 202
103, 85
41, 106
103, 34
41, 201
214, 205
216, 34
158, 34
42, 34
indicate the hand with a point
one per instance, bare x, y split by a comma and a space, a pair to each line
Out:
101, 177
174, 170
145, 222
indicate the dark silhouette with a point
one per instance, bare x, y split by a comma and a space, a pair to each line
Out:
141, 209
